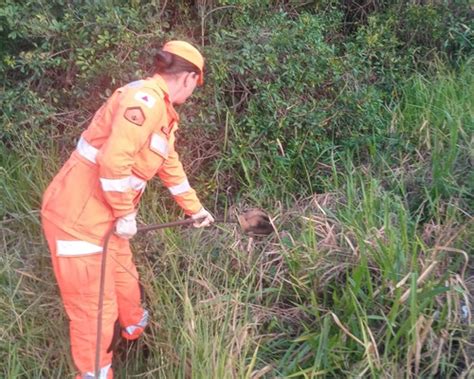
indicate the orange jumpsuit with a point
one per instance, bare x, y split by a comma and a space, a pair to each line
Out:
129, 141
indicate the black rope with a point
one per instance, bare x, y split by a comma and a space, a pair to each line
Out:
103, 264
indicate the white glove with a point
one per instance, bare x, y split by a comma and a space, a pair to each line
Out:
126, 226
205, 218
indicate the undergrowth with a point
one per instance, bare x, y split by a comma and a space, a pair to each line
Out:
352, 126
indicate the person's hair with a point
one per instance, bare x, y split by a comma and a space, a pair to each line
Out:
171, 64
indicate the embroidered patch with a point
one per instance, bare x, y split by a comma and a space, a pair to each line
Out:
145, 98
134, 115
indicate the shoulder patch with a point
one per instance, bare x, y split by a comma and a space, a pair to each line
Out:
145, 98
135, 115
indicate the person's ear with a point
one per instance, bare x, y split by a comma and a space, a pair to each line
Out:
191, 78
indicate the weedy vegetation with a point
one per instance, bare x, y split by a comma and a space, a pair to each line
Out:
349, 122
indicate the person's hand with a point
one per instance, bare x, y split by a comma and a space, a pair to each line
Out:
203, 218
126, 226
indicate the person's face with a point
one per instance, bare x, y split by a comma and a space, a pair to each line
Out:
186, 83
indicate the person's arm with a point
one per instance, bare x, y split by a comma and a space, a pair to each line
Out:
174, 178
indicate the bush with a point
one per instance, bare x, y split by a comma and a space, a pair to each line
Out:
63, 60
364, 106
301, 85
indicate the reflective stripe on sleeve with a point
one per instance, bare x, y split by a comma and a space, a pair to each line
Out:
76, 248
116, 185
180, 188
102, 375
123, 185
135, 84
137, 183
86, 150
89, 152
159, 145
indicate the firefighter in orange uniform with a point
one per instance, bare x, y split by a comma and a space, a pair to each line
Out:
129, 141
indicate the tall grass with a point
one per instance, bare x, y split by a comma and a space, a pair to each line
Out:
367, 278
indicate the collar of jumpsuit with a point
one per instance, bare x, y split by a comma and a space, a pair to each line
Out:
164, 87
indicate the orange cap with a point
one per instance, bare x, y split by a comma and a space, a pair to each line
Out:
189, 52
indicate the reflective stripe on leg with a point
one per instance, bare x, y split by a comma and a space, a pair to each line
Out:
130, 309
104, 371
76, 248
135, 330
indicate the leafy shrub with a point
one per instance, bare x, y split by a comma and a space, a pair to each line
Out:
298, 88
69, 57
289, 80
